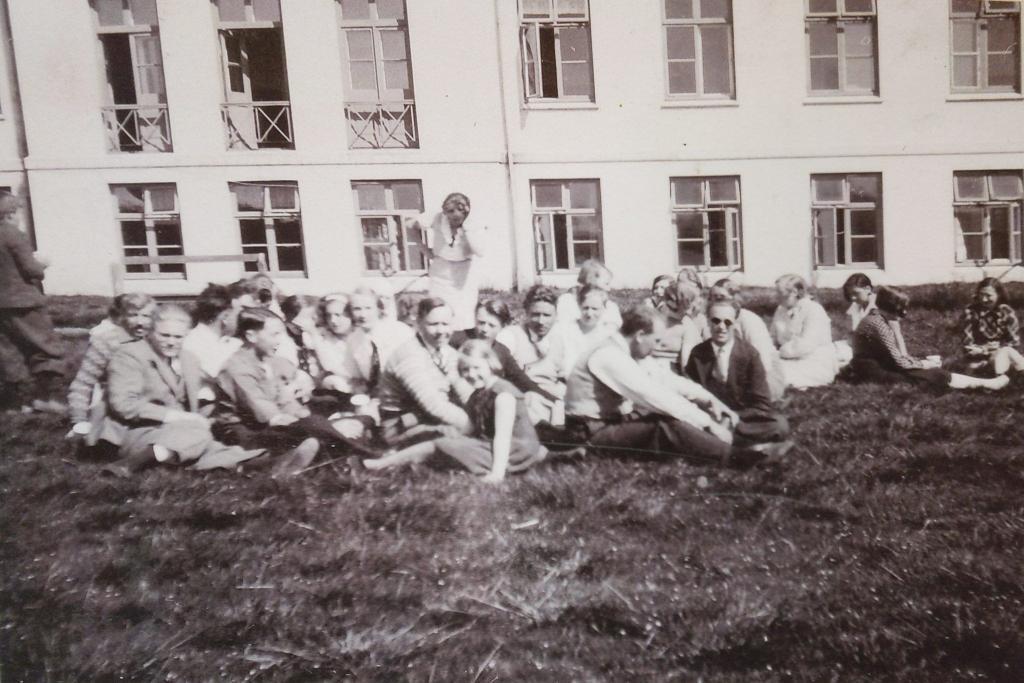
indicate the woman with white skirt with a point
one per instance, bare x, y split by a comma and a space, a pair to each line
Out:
802, 331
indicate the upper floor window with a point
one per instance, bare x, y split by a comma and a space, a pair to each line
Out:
380, 104
392, 243
847, 215
566, 222
842, 45
985, 45
135, 113
256, 112
987, 211
698, 45
706, 214
555, 42
270, 223
149, 223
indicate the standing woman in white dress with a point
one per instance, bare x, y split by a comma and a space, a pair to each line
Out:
803, 332
454, 243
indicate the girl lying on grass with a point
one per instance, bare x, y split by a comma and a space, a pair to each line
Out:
880, 353
991, 331
502, 440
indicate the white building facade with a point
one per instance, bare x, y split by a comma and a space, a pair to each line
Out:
744, 138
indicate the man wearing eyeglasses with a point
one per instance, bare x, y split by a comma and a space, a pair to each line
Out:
731, 369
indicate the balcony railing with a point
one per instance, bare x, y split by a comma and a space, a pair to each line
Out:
382, 125
137, 127
258, 125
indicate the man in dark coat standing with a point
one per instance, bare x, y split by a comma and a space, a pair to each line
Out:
31, 361
731, 369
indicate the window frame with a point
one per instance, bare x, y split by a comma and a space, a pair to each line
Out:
557, 21
730, 209
268, 215
396, 221
848, 207
980, 20
986, 205
564, 209
697, 22
842, 18
150, 218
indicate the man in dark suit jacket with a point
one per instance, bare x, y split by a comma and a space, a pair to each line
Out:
29, 349
731, 369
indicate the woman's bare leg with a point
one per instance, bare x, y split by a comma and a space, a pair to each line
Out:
967, 382
416, 453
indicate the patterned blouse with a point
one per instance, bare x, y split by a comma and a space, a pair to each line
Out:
985, 330
881, 340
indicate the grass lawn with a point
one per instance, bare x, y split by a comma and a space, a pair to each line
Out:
887, 546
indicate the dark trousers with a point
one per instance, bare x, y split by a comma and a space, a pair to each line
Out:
870, 370
760, 426
653, 436
280, 439
28, 345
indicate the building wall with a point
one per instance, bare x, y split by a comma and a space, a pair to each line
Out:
476, 136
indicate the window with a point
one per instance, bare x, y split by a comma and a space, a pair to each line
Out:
555, 41
566, 222
135, 114
270, 224
985, 45
841, 42
381, 106
847, 215
987, 212
257, 113
150, 227
706, 215
383, 209
698, 44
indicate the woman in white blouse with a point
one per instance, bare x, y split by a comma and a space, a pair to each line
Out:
454, 244
802, 331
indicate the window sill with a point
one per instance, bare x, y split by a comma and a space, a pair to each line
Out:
851, 266
986, 97
843, 99
541, 106
994, 263
698, 104
155, 276
287, 275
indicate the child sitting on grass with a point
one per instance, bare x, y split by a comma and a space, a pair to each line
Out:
503, 438
595, 274
991, 331
880, 353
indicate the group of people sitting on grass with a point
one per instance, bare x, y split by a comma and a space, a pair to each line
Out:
250, 379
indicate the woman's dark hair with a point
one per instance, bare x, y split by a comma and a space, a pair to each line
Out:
856, 281
428, 304
661, 278
994, 284
892, 301
210, 303
125, 304
586, 290
325, 301
542, 294
253, 318
498, 308
294, 303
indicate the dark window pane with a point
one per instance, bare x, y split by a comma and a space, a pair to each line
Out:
823, 6
966, 5
576, 80
253, 231
586, 228
168, 234
714, 9
823, 38
375, 229
687, 191
390, 9
144, 12
576, 9
288, 231
583, 194
355, 9
971, 186
548, 195
548, 63
584, 251
691, 253
282, 197
408, 196
110, 12
370, 197
162, 199
858, 6
715, 52
690, 225
678, 9
252, 267
267, 10
248, 197
133, 233
824, 73
231, 10
378, 256
1007, 185
129, 199
828, 188
1002, 70
864, 250
718, 239
290, 259
723, 189
680, 42
999, 220
682, 78
863, 223
560, 235
864, 188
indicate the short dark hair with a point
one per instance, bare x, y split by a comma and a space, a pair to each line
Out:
240, 288
639, 319
253, 318
211, 302
856, 281
498, 308
428, 304
586, 290
293, 304
994, 284
892, 301
540, 294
